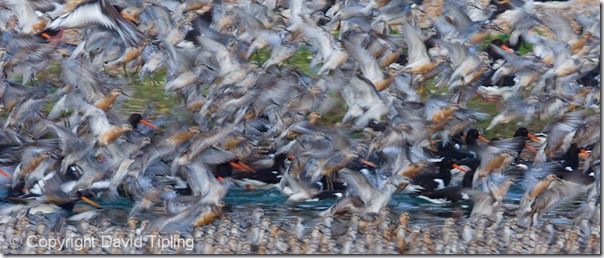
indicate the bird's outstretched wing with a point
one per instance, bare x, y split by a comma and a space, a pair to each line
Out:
99, 13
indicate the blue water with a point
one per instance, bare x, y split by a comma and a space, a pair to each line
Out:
274, 204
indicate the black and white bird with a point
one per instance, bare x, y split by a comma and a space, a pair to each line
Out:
96, 12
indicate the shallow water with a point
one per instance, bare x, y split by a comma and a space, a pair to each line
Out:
273, 202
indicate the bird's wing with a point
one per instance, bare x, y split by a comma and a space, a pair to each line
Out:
433, 105
68, 139
552, 106
567, 123
318, 38
417, 49
560, 191
358, 185
368, 64
202, 143
214, 155
99, 13
297, 184
161, 17
444, 28
86, 14
83, 78
200, 178
535, 174
511, 144
558, 25
457, 52
453, 10
98, 120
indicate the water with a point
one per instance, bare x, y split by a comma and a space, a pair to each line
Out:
273, 202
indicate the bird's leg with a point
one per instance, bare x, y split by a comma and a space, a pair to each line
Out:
534, 221
329, 183
156, 82
125, 71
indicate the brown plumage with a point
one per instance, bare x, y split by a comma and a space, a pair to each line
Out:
131, 14
334, 164
195, 106
541, 186
428, 243
500, 192
181, 137
314, 117
385, 83
389, 59
131, 54
39, 26
497, 163
207, 217
413, 170
424, 68
401, 243
578, 44
112, 134
107, 102
403, 219
444, 114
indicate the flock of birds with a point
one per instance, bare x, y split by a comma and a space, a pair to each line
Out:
399, 76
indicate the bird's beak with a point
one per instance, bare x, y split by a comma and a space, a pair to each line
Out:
507, 49
533, 137
460, 168
220, 179
148, 124
583, 153
90, 202
238, 165
2, 172
368, 163
482, 138
414, 6
45, 35
129, 17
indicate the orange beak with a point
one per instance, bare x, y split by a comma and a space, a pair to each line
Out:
480, 137
91, 202
368, 163
238, 165
220, 179
45, 35
460, 168
2, 172
148, 124
507, 49
530, 148
533, 137
129, 17
583, 153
